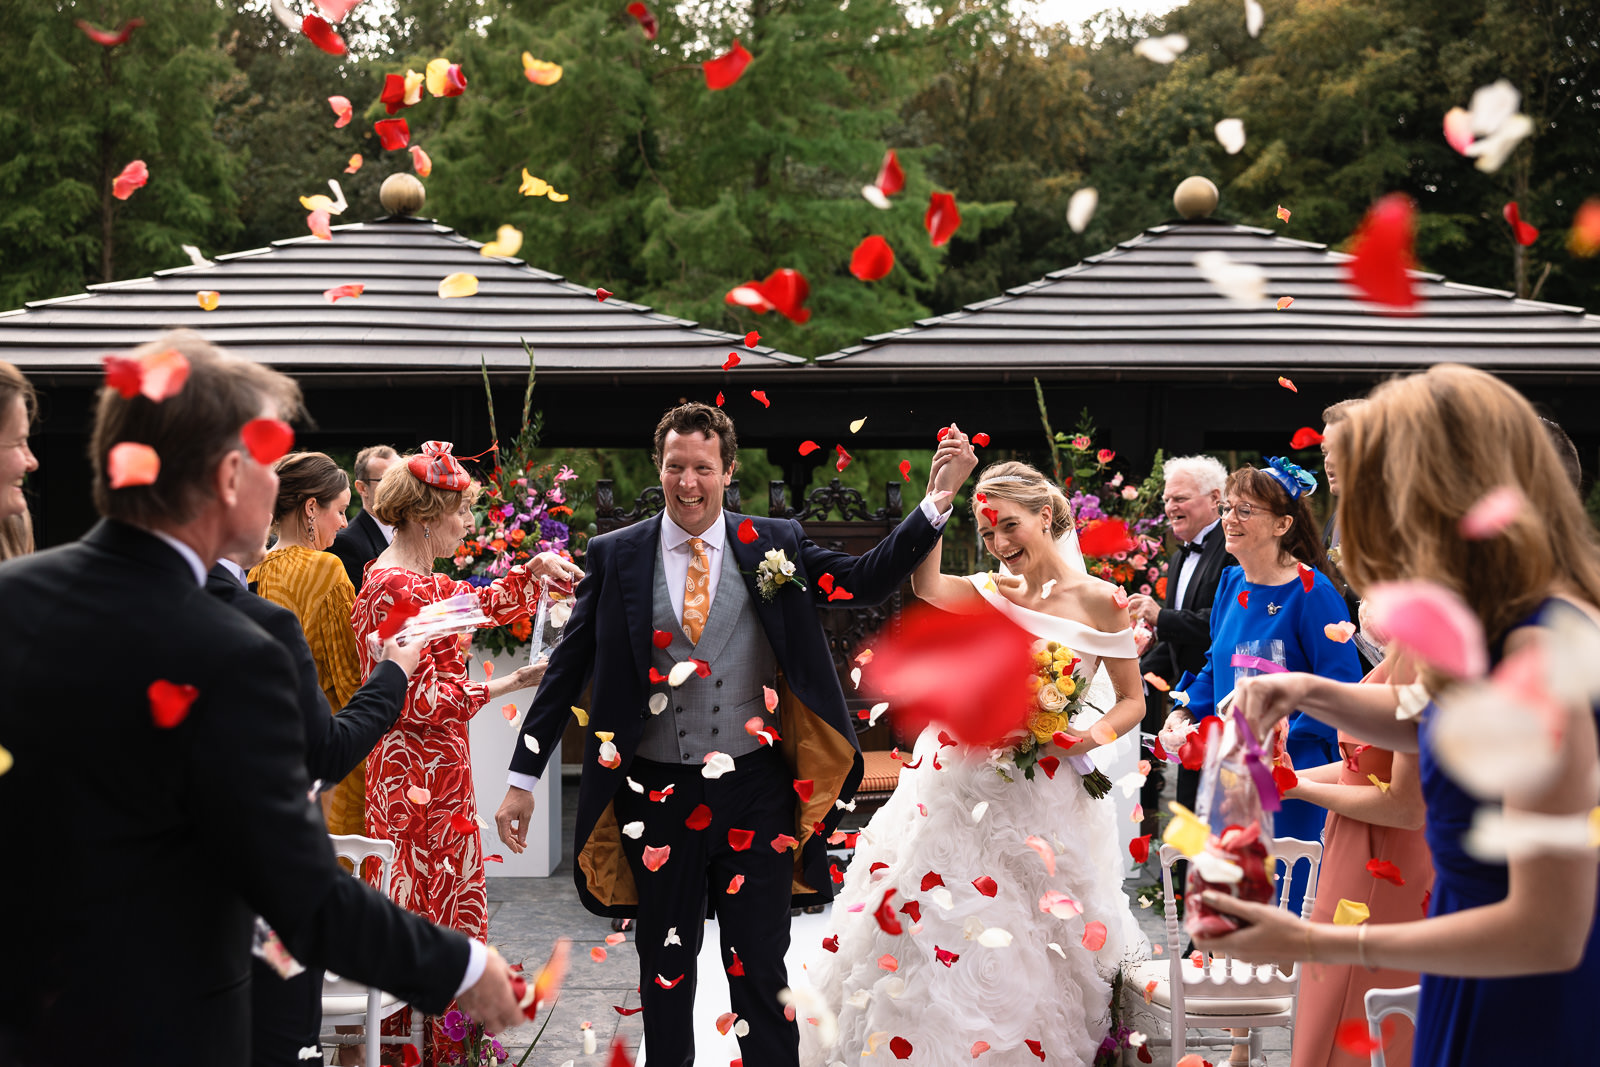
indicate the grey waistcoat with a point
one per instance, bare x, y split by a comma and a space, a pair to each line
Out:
706, 715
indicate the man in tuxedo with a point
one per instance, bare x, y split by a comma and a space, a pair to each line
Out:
364, 540
1192, 494
725, 787
159, 728
286, 1013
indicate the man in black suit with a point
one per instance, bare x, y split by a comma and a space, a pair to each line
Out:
364, 539
286, 1013
680, 800
159, 728
1192, 494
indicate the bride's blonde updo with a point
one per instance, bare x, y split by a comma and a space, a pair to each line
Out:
1023, 484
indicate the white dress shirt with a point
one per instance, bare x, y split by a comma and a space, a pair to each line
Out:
1191, 563
237, 571
190, 556
388, 531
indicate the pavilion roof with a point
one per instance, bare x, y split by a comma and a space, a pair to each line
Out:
1143, 309
272, 310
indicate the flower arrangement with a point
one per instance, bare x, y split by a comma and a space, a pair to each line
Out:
1097, 493
774, 572
1057, 697
523, 510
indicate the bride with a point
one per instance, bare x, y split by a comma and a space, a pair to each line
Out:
1047, 992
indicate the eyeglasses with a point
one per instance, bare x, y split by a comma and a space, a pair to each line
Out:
1241, 512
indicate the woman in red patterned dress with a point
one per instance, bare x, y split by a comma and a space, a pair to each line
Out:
419, 777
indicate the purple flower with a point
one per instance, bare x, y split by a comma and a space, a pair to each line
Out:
508, 510
499, 1050
477, 580
455, 1025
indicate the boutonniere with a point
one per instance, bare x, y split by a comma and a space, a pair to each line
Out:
774, 572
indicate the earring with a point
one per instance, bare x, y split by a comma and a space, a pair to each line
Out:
427, 534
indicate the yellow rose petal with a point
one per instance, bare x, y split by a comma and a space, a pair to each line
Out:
605, 735
1594, 826
320, 202
581, 715
209, 299
458, 284
5, 759
1375, 780
1349, 913
855, 427
555, 197
1185, 832
539, 71
507, 242
438, 77
532, 186
414, 86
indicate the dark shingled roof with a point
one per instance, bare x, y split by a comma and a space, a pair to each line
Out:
273, 311
1143, 308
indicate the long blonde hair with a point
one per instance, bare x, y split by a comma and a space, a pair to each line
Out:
16, 535
1423, 451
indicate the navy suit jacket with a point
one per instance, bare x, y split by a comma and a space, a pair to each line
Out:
181, 835
358, 545
607, 641
335, 744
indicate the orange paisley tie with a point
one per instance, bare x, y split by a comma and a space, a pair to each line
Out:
697, 592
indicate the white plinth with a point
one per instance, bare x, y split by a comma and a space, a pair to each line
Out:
493, 740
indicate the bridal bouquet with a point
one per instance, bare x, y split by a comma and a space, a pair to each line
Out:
1057, 697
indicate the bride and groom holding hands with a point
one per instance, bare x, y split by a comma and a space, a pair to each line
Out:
720, 793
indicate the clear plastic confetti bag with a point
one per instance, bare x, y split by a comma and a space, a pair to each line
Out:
1236, 801
453, 615
550, 618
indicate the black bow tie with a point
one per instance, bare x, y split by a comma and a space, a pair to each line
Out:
1186, 548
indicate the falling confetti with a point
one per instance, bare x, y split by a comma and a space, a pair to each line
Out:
458, 285
601, 294
208, 299
726, 68
1287, 384
872, 259
109, 38
1521, 232
785, 291
169, 702
1162, 50
942, 219
1381, 253
1284, 302
540, 72
338, 292
1230, 135
393, 134
507, 243
420, 162
130, 463
354, 164
444, 78
322, 35
647, 21
731, 362
1080, 209
1283, 213
133, 176
342, 109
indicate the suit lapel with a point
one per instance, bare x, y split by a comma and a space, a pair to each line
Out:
749, 557
637, 549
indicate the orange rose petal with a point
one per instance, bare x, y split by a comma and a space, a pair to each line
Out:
208, 299
130, 463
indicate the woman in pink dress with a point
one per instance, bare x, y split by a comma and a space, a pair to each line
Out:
1373, 853
419, 777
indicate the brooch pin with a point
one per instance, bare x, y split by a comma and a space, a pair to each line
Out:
1272, 609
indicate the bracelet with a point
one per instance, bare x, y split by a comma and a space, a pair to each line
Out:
1361, 947
1310, 956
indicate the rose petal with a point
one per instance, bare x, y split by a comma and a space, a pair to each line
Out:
130, 463
1094, 936
109, 38
169, 703
458, 284
1492, 513
1080, 209
341, 108
655, 857
1230, 134
393, 134
420, 162
1381, 253
163, 373
1305, 437
133, 176
942, 219
1433, 622
716, 765
418, 795
208, 299
317, 223
267, 440
872, 259
1350, 913
352, 291
539, 71
727, 68
1162, 50
354, 164
322, 35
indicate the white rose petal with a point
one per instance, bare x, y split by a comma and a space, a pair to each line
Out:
1053, 947
995, 937
1044, 590
1254, 17
741, 1028
973, 928
1080, 209
1136, 1039
717, 764
980, 810
855, 677
672, 938
1213, 868
1162, 49
941, 896
875, 197
808, 1004
842, 806
1130, 783
608, 751
859, 999
1230, 134
635, 786
680, 673
894, 987
1245, 283
876, 712
560, 612
658, 703
633, 830
532, 743
1492, 151
1492, 106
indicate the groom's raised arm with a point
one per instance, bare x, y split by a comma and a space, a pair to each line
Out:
571, 663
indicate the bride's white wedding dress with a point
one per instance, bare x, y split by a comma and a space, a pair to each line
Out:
1045, 986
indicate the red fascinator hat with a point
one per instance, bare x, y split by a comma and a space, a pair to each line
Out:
438, 468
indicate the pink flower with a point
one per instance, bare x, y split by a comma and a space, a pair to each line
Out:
565, 474
1115, 481
1105, 455
1141, 560
1120, 556
1130, 492
1145, 589
1153, 574
555, 496
1081, 443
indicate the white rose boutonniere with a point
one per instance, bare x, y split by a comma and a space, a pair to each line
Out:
774, 572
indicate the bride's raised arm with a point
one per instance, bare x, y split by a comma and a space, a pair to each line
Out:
943, 591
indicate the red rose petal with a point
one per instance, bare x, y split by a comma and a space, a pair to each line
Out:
905, 469
1521, 232
1308, 576
967, 672
784, 291
658, 795
803, 788
322, 35
942, 219
1382, 255
656, 677
616, 1008
1354, 1037
647, 21
981, 440
661, 639
736, 969
1139, 848
719, 400
1049, 765
841, 593
872, 259
655, 857
701, 667
808, 447
1385, 870
133, 176
825, 582
844, 457
913, 909
668, 983
394, 618
268, 440
1094, 936
1284, 778
747, 532
1244, 598
900, 1047
740, 840
334, 295
731, 362
169, 702
1305, 437
1105, 537
930, 880
783, 843
601, 294
945, 956
888, 921
394, 134
461, 824
726, 68
752, 339
124, 375
735, 884
891, 179
831, 943
761, 397
130, 463
1035, 1047
985, 885
109, 38
393, 96
990, 515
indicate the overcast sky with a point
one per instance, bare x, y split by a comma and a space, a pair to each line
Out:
1074, 12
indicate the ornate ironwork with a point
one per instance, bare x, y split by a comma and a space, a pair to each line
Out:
824, 500
608, 517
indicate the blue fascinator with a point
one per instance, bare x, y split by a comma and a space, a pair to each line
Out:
1296, 480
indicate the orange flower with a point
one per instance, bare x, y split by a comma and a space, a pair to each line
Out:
1161, 588
498, 544
517, 536
560, 508
522, 555
522, 629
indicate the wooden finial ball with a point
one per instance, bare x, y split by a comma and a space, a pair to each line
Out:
402, 194
1196, 197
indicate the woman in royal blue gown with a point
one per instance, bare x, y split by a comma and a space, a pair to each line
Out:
1510, 952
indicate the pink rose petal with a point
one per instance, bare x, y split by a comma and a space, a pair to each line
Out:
1433, 622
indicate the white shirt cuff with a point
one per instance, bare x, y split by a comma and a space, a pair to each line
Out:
477, 960
935, 516
522, 781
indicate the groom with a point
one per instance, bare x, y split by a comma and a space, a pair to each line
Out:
696, 805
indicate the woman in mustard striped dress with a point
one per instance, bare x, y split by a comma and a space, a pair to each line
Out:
313, 493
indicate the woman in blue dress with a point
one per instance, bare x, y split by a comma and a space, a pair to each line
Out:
1278, 595
1510, 953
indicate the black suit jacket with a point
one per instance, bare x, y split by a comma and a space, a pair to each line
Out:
608, 640
335, 744
357, 545
137, 856
1184, 634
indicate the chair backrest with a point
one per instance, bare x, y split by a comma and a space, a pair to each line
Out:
357, 849
1382, 1002
1227, 977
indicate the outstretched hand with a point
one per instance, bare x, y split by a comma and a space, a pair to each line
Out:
1273, 936
953, 462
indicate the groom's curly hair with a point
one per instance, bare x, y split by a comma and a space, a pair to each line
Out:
697, 418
